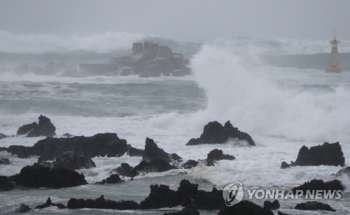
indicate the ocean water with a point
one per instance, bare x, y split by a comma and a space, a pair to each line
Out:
274, 89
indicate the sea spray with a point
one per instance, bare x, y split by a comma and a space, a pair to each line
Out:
240, 89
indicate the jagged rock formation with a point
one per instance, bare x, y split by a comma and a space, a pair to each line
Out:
113, 179
48, 203
107, 144
25, 129
330, 154
214, 132
44, 128
70, 161
217, 155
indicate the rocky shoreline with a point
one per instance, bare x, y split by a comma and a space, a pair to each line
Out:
60, 157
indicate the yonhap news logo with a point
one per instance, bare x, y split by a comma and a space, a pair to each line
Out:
233, 193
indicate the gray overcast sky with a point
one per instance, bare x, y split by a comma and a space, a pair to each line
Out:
188, 20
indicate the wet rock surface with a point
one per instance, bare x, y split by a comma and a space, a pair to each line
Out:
245, 208
313, 206
25, 129
5, 184
107, 144
272, 205
73, 162
152, 152
44, 128
214, 133
330, 154
36, 176
315, 184
113, 179
23, 209
217, 155
48, 203
102, 203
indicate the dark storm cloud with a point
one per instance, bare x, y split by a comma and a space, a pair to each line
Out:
193, 20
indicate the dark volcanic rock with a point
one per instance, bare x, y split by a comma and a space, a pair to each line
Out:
39, 176
113, 179
209, 200
314, 185
214, 132
102, 203
48, 203
271, 205
344, 171
67, 135
23, 209
187, 195
73, 162
159, 197
107, 144
185, 211
124, 169
134, 152
284, 165
21, 151
153, 152
245, 208
5, 161
216, 155
189, 164
44, 128
2, 136
281, 213
313, 206
25, 129
157, 165
175, 157
326, 154
5, 184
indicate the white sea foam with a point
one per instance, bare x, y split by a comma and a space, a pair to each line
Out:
239, 88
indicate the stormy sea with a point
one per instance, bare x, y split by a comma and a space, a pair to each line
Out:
276, 90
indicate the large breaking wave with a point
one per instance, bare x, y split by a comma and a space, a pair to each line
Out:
303, 105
